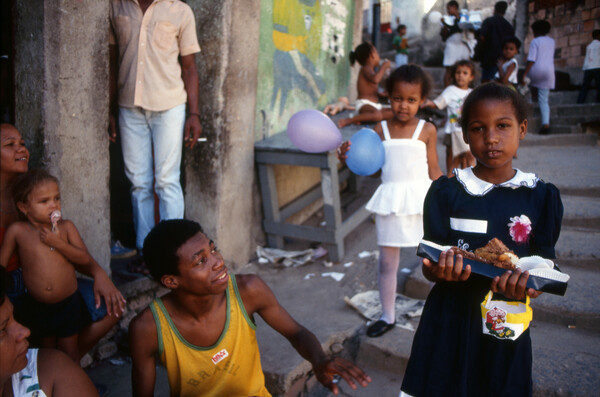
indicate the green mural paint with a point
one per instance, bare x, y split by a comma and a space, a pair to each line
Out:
303, 58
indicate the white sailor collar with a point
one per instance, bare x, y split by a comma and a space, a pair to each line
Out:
478, 187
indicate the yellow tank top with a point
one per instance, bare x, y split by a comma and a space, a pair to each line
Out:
229, 368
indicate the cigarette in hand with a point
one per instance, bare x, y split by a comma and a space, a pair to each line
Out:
201, 140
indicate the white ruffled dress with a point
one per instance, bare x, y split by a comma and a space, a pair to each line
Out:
398, 201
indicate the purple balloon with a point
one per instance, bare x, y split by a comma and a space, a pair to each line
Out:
313, 132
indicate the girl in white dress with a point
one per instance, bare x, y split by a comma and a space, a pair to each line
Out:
411, 163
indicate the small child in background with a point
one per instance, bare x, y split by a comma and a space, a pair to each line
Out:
591, 68
453, 354
458, 154
508, 66
49, 248
400, 43
371, 73
411, 163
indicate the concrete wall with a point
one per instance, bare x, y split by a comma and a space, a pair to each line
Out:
61, 101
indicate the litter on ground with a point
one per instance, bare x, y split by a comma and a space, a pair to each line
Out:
368, 305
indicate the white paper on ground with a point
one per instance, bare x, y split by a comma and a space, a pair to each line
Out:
368, 305
334, 275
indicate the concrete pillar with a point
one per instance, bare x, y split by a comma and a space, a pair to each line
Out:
219, 175
521, 25
61, 101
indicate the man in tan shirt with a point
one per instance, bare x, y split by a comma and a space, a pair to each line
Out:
149, 88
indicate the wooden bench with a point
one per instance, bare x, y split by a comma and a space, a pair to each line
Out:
278, 149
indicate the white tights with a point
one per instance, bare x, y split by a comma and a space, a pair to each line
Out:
387, 277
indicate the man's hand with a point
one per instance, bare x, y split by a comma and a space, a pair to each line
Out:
326, 370
192, 130
112, 128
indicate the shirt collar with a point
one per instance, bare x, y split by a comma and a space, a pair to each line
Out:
478, 187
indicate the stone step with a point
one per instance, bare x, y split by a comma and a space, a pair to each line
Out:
566, 361
558, 139
578, 248
571, 109
559, 123
574, 170
579, 305
556, 128
581, 212
565, 97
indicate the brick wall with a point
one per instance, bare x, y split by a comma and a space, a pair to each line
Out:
572, 25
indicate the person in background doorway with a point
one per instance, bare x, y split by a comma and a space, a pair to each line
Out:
152, 77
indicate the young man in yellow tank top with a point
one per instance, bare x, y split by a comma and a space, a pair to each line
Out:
202, 331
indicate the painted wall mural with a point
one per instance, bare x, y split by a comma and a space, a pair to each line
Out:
303, 58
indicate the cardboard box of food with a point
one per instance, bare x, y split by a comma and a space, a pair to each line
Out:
544, 275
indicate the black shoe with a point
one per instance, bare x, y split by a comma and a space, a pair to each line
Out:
544, 131
379, 328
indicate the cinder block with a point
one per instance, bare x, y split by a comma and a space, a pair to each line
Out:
139, 303
106, 350
568, 29
562, 41
126, 319
588, 26
586, 14
573, 39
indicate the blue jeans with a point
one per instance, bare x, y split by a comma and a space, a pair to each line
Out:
588, 76
543, 104
401, 59
148, 135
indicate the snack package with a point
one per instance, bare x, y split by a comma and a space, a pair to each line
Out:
505, 319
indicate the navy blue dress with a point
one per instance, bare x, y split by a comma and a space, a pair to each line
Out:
450, 355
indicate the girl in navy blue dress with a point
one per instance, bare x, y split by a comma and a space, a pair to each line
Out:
451, 355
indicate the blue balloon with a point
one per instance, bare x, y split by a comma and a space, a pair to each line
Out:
313, 132
366, 154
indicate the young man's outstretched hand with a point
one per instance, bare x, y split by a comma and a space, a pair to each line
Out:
326, 370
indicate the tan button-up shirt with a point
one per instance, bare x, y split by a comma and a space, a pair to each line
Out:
149, 45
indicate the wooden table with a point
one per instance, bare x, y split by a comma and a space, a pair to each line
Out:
278, 149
